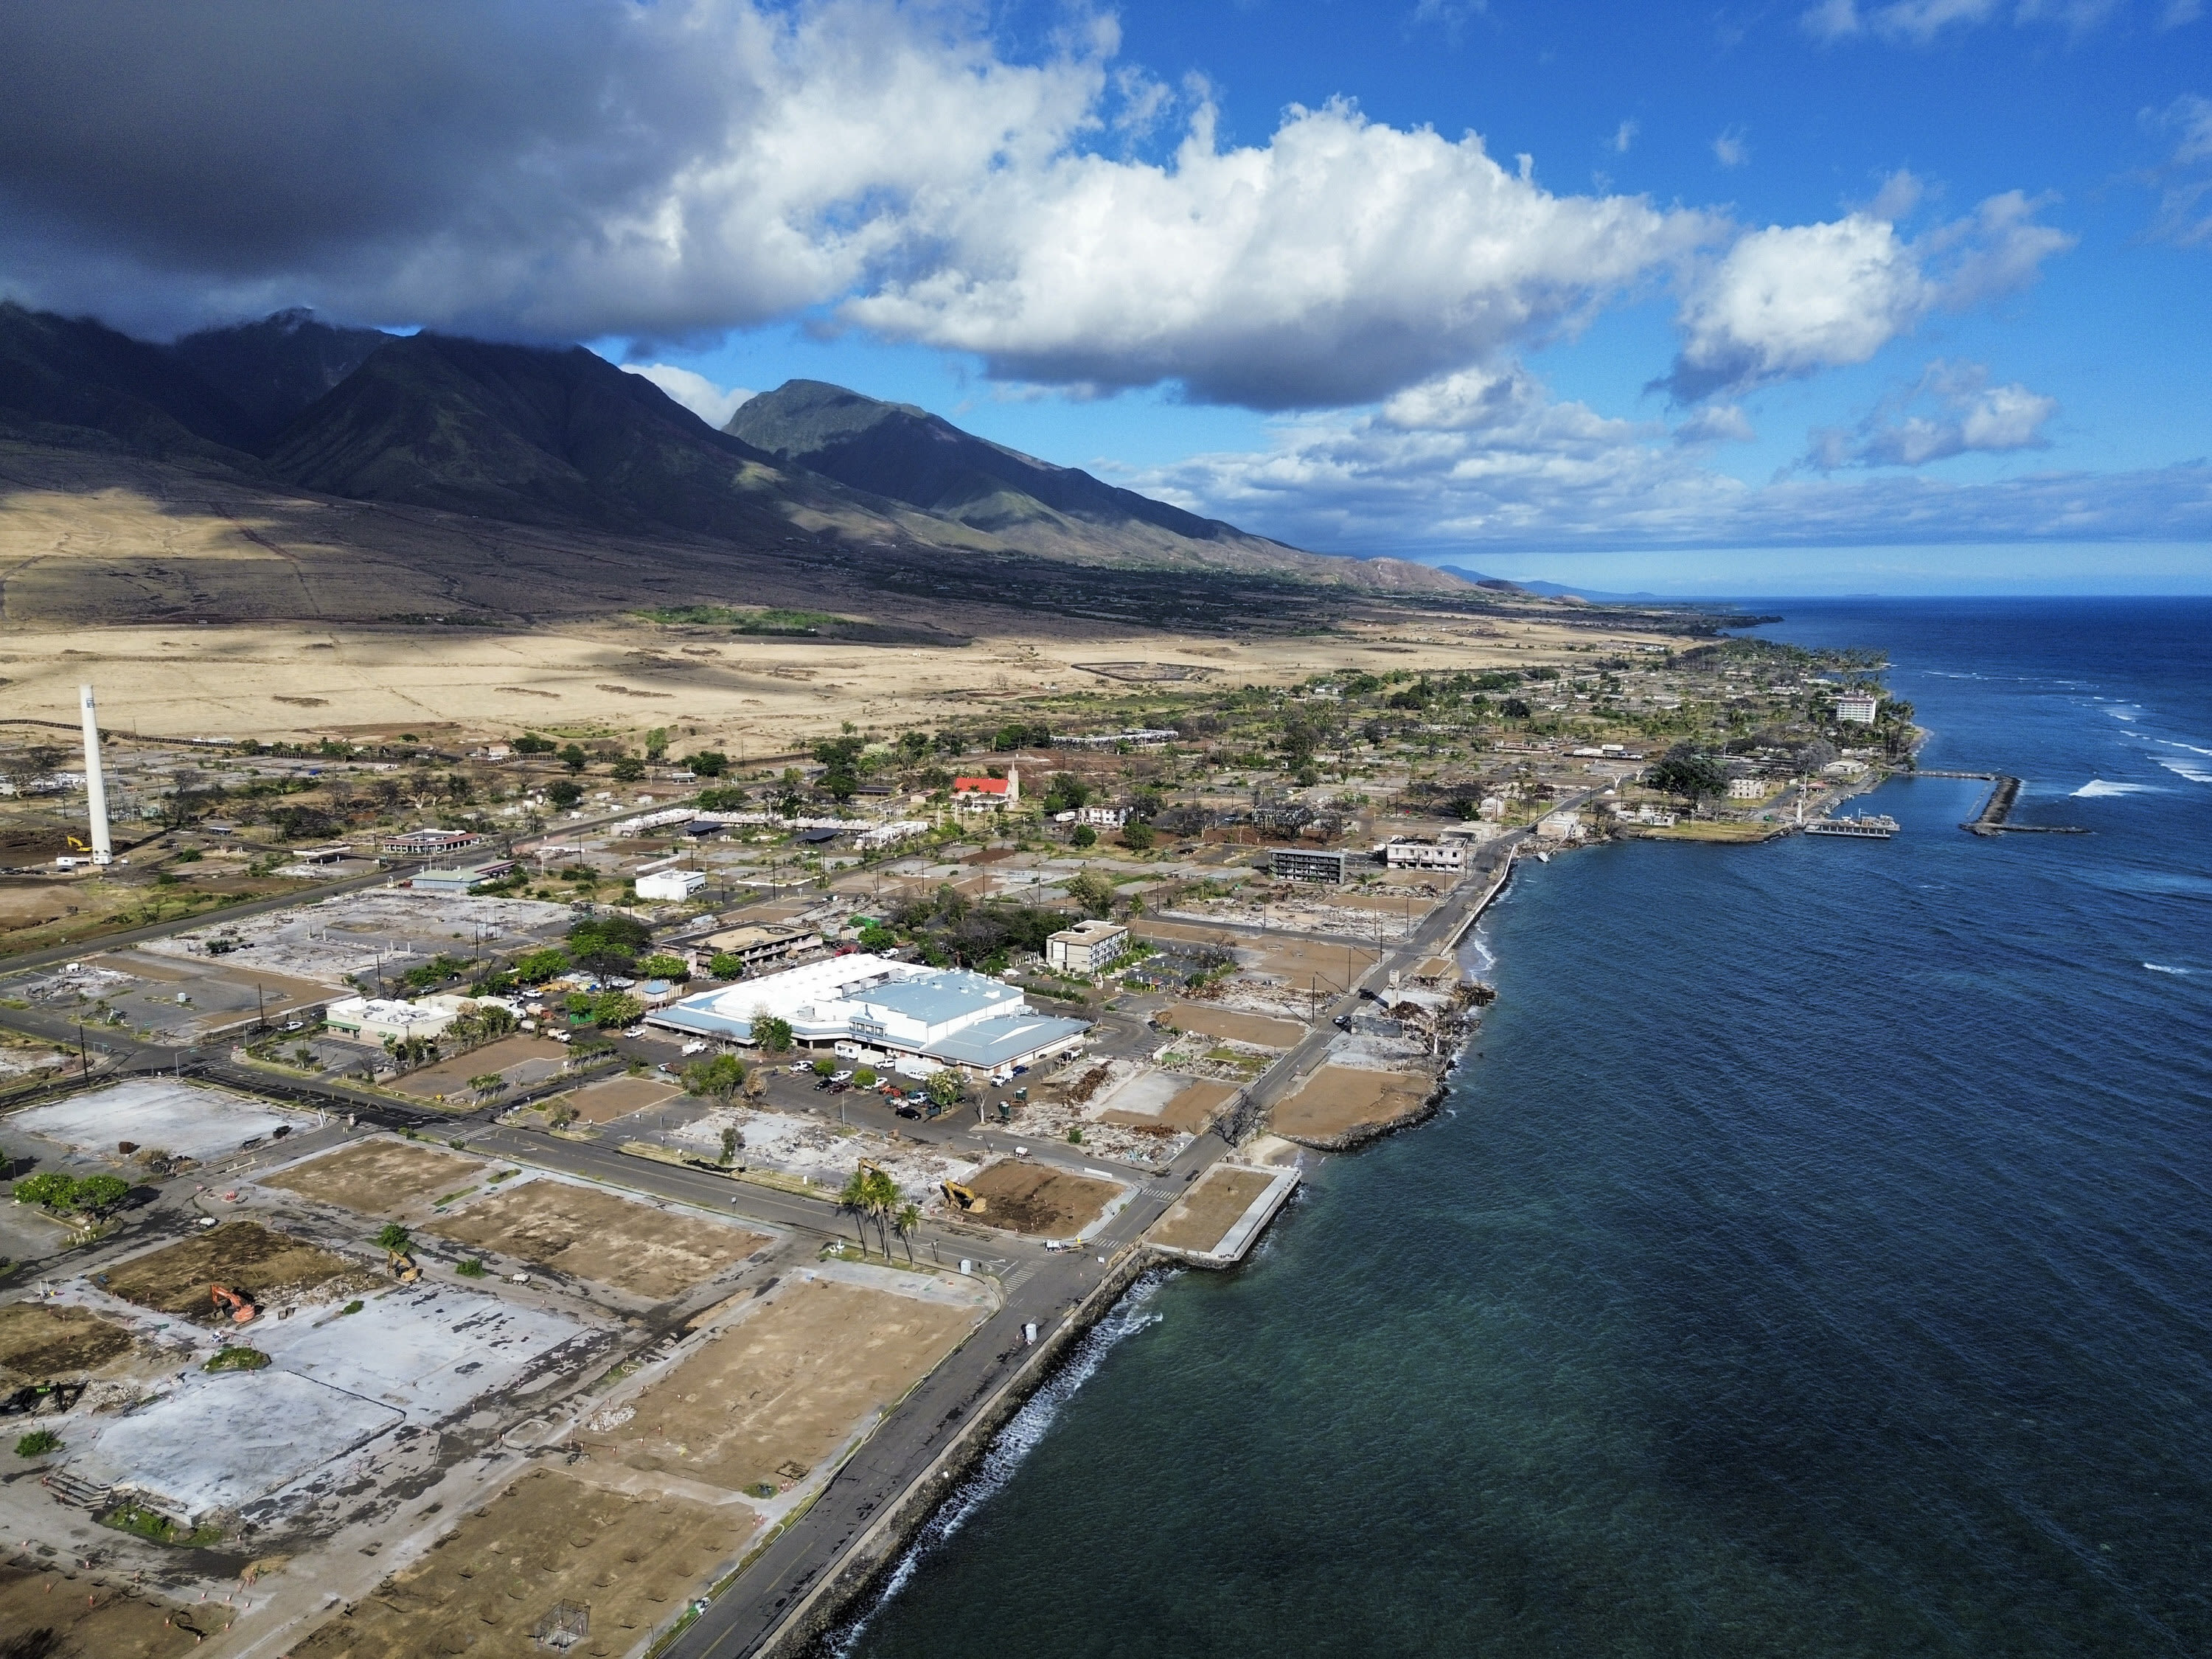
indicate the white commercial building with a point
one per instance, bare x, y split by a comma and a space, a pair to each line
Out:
880, 1006
1857, 708
373, 1019
1746, 788
1405, 853
673, 884
1088, 947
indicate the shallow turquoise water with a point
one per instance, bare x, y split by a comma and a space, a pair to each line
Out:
1813, 1262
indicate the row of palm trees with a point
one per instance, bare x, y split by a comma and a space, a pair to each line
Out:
871, 1196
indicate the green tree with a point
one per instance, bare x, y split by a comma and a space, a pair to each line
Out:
1092, 891
656, 742
394, 1237
1137, 836
539, 966
731, 1141
854, 1198
726, 964
51, 1192
946, 1088
612, 1010
907, 1221
627, 769
708, 764
773, 1035
531, 744
574, 758
1514, 709
1690, 775
564, 793
825, 1066
877, 937
97, 1195
717, 1078
864, 1078
883, 1197
1082, 836
609, 944
664, 964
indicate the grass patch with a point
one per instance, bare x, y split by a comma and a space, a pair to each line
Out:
760, 1489
239, 1359
771, 620
156, 1527
504, 1174
352, 1307
470, 1269
37, 1444
450, 1198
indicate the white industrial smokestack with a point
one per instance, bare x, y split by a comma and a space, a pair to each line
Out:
95, 787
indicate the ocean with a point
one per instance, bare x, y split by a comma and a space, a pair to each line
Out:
1813, 1260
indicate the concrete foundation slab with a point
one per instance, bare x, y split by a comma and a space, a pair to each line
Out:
223, 1441
180, 1118
426, 1352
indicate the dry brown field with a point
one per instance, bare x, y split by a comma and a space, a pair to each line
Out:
51, 1609
41, 1342
1202, 1217
1256, 1029
777, 1391
1192, 1111
586, 1233
484, 1587
379, 1177
1338, 1099
242, 1254
451, 1077
1036, 1198
603, 1102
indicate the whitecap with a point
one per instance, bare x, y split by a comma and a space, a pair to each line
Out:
2097, 787
2124, 714
2195, 771
2162, 968
2191, 747
1011, 1446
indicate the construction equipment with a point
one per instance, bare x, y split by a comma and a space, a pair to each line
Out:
241, 1308
76, 846
402, 1267
965, 1199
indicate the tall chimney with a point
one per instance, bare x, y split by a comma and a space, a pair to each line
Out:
95, 787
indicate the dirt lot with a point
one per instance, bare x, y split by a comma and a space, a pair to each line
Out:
1192, 1111
1202, 1216
1256, 1029
451, 1077
242, 1254
43, 1615
548, 1538
783, 1389
377, 1177
39, 1341
1300, 960
603, 1102
590, 1234
1036, 1198
1338, 1099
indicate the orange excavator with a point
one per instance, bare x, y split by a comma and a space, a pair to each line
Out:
241, 1308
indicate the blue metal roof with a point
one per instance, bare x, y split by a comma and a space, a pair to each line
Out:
691, 1014
938, 998
995, 1042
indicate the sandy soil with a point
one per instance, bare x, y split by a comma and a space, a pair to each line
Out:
451, 1077
592, 1234
379, 1177
1190, 1110
1256, 1029
241, 1255
45, 1614
776, 1392
548, 1538
1338, 1099
1202, 1217
42, 1342
603, 1102
1036, 1198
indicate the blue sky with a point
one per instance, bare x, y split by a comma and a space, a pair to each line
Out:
1825, 296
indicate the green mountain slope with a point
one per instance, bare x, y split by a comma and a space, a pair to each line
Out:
79, 383
273, 370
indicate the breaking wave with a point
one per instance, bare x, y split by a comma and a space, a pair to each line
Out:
2097, 787
2162, 968
1009, 1448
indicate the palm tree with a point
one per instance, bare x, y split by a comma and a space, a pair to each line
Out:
857, 1199
883, 1197
907, 1218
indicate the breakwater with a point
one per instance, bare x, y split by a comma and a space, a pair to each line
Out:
1996, 816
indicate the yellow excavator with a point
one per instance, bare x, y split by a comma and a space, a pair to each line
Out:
402, 1266
965, 1199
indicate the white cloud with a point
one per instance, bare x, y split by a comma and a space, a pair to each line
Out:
2182, 214
1710, 423
1730, 149
1789, 300
1920, 22
1341, 261
1951, 411
712, 404
1624, 136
